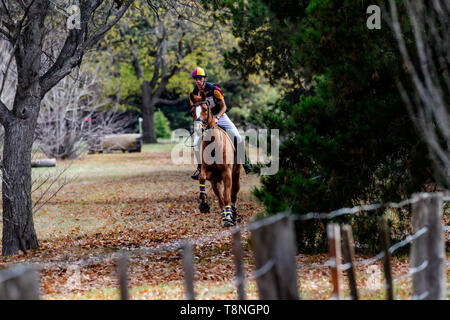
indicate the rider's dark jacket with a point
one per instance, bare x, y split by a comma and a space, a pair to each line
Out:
213, 95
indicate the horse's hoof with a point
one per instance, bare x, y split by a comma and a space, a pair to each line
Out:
234, 215
228, 223
204, 207
227, 220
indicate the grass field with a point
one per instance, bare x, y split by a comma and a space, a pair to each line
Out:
144, 205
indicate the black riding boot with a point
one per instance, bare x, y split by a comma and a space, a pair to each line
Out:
197, 172
245, 163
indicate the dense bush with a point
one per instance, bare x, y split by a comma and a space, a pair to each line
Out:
346, 136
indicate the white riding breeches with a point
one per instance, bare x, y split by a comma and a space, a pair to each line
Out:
229, 127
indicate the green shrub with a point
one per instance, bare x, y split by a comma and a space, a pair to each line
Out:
162, 125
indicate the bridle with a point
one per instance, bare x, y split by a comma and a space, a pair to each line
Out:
209, 113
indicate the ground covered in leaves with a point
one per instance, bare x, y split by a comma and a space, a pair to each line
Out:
144, 205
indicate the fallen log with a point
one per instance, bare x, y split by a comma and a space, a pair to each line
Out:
43, 163
131, 142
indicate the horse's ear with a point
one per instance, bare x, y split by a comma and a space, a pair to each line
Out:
203, 95
191, 97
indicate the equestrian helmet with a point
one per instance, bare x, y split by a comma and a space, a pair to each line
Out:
199, 72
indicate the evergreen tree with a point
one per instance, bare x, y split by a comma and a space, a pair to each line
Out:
346, 136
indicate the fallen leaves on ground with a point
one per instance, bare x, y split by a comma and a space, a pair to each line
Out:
145, 206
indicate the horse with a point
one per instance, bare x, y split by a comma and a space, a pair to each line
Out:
223, 174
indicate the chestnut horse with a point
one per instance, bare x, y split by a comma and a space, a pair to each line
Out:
222, 173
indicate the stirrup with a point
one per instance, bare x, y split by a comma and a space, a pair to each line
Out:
196, 174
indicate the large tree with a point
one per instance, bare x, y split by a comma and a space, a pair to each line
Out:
155, 43
29, 26
154, 54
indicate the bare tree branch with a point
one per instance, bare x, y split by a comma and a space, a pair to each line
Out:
125, 101
135, 59
45, 193
71, 119
6, 34
76, 44
100, 33
428, 103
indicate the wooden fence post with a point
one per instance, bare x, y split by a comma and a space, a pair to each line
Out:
123, 276
237, 250
188, 267
348, 251
428, 250
273, 244
19, 283
334, 242
385, 244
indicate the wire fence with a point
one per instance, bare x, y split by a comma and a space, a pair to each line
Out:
132, 252
368, 207
269, 265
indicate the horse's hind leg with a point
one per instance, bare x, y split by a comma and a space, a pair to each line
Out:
235, 187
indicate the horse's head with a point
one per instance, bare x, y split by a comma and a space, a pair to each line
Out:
201, 112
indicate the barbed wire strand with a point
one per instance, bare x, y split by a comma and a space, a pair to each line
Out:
132, 252
257, 273
332, 262
368, 207
241, 280
412, 271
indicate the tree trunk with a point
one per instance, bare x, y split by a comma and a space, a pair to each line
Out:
148, 111
27, 31
18, 226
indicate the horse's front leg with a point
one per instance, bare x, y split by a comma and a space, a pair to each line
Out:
204, 206
227, 215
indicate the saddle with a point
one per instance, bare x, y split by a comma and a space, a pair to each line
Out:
233, 144
226, 134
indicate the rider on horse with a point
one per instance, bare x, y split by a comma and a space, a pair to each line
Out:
218, 108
